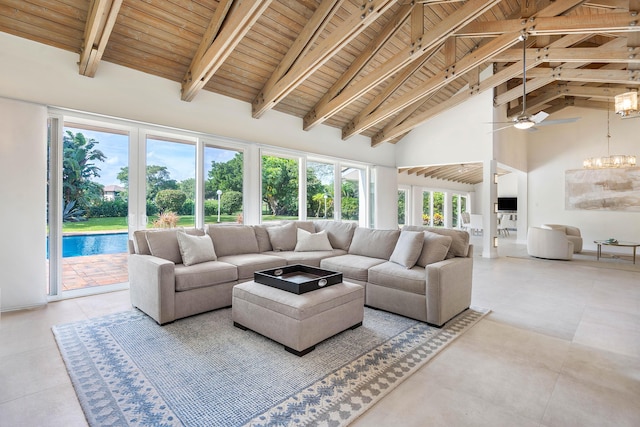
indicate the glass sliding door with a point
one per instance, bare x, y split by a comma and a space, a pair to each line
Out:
170, 178
223, 181
280, 191
87, 207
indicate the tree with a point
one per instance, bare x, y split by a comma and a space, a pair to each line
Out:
188, 187
170, 200
158, 178
225, 176
78, 168
280, 185
231, 202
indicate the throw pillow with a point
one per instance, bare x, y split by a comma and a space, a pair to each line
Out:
283, 237
195, 249
434, 249
408, 248
312, 241
164, 244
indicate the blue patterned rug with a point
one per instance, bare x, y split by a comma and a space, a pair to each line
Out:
202, 371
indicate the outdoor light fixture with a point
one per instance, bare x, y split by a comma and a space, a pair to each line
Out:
609, 161
627, 103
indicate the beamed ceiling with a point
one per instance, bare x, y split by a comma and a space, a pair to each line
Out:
377, 68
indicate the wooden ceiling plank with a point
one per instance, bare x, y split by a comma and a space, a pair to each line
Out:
533, 84
607, 4
437, 35
313, 117
609, 22
211, 32
100, 22
304, 41
393, 129
440, 80
309, 63
237, 23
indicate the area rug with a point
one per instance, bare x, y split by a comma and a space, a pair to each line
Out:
202, 371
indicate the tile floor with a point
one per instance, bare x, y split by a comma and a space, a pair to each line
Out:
560, 348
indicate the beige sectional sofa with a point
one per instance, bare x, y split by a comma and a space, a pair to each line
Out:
422, 273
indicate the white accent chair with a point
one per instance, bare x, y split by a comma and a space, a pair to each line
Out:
475, 225
573, 234
549, 243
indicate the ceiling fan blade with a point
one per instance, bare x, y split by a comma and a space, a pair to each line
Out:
559, 121
539, 117
504, 127
633, 116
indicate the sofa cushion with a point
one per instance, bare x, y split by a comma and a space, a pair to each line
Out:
392, 275
262, 236
233, 239
164, 243
283, 237
340, 233
351, 266
434, 249
374, 243
204, 274
312, 241
247, 264
459, 242
408, 248
195, 249
305, 225
311, 258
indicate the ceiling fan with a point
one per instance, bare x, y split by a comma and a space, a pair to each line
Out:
523, 120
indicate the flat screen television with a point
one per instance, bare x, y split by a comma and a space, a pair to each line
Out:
507, 203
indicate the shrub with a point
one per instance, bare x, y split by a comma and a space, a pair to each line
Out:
152, 209
166, 219
109, 209
231, 202
210, 207
187, 208
170, 200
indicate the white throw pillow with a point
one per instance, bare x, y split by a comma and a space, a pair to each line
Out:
408, 248
312, 241
195, 249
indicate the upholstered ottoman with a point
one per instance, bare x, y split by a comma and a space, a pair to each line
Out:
299, 322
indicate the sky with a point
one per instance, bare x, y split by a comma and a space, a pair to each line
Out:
178, 158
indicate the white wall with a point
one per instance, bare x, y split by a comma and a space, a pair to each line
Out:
555, 149
459, 135
49, 76
23, 174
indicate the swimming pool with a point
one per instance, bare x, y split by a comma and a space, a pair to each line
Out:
92, 244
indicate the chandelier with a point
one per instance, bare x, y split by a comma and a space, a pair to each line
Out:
627, 103
609, 161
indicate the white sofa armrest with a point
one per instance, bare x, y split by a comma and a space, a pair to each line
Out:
549, 243
448, 288
152, 286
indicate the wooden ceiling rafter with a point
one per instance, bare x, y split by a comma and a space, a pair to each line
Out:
224, 33
327, 48
100, 22
320, 112
435, 37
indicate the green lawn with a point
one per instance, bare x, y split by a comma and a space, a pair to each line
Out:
120, 223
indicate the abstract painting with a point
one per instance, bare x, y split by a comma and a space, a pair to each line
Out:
603, 189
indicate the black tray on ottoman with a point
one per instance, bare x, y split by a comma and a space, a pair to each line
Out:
297, 278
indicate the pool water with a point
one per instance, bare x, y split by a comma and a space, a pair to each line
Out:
92, 244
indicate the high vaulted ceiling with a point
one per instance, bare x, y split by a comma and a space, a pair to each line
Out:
373, 67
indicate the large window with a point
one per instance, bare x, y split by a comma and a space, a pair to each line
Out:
223, 180
280, 188
320, 190
351, 191
171, 178
402, 207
